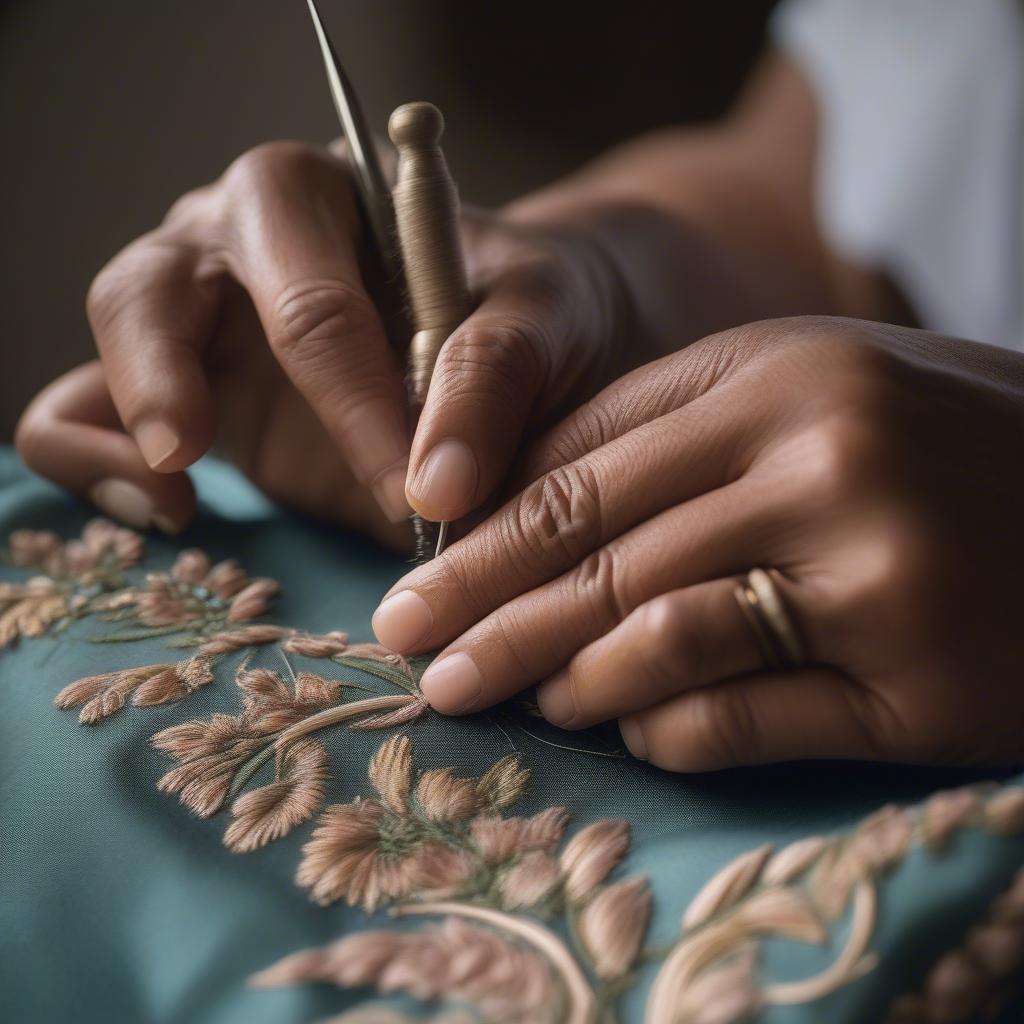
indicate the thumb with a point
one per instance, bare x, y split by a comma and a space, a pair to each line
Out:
514, 360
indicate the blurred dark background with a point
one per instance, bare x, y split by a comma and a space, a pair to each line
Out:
111, 109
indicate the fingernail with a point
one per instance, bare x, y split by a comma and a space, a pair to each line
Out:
123, 501
452, 683
446, 482
157, 442
556, 700
165, 524
633, 737
402, 621
389, 492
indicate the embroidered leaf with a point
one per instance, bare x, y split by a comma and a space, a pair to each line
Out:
164, 686
272, 811
724, 994
725, 888
210, 753
529, 881
781, 911
313, 646
613, 925
252, 601
453, 960
503, 783
391, 772
591, 855
793, 860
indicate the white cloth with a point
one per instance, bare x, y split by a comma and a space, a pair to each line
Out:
921, 161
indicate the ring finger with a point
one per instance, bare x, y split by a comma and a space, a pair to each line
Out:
678, 641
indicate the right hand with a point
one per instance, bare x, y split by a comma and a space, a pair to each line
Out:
243, 321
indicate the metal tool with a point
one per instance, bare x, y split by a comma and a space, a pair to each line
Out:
377, 208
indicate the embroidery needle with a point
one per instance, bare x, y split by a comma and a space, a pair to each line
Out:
422, 213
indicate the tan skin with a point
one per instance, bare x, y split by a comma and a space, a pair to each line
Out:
864, 463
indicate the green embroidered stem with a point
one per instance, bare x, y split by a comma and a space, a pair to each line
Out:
131, 635
380, 669
249, 769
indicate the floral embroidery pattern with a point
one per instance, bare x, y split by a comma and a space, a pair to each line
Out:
444, 847
527, 926
711, 973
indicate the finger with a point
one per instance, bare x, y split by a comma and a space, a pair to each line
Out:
72, 435
291, 231
537, 633
560, 521
516, 357
151, 318
644, 394
680, 640
811, 713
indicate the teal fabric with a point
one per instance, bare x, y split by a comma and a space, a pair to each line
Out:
119, 905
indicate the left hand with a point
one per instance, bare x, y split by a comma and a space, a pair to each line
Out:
877, 470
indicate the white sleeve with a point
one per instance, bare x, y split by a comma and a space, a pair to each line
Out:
921, 152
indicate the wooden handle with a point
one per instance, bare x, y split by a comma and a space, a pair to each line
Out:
427, 219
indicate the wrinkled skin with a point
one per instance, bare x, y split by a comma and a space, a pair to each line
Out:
243, 322
875, 469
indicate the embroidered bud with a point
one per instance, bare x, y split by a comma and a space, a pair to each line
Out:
442, 796
79, 558
391, 772
191, 567
226, 579
98, 535
253, 601
613, 925
128, 548
33, 547
591, 854
503, 783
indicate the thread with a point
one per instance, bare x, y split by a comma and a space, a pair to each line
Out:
427, 220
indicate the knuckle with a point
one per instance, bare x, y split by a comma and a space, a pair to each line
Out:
594, 583
494, 360
559, 516
315, 314
667, 649
842, 457
269, 161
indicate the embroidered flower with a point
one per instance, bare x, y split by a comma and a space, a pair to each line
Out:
371, 851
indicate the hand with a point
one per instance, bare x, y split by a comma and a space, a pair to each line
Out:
244, 320
875, 469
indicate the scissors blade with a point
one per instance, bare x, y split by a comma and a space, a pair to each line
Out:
372, 188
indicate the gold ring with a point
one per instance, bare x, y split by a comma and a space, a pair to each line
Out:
770, 621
